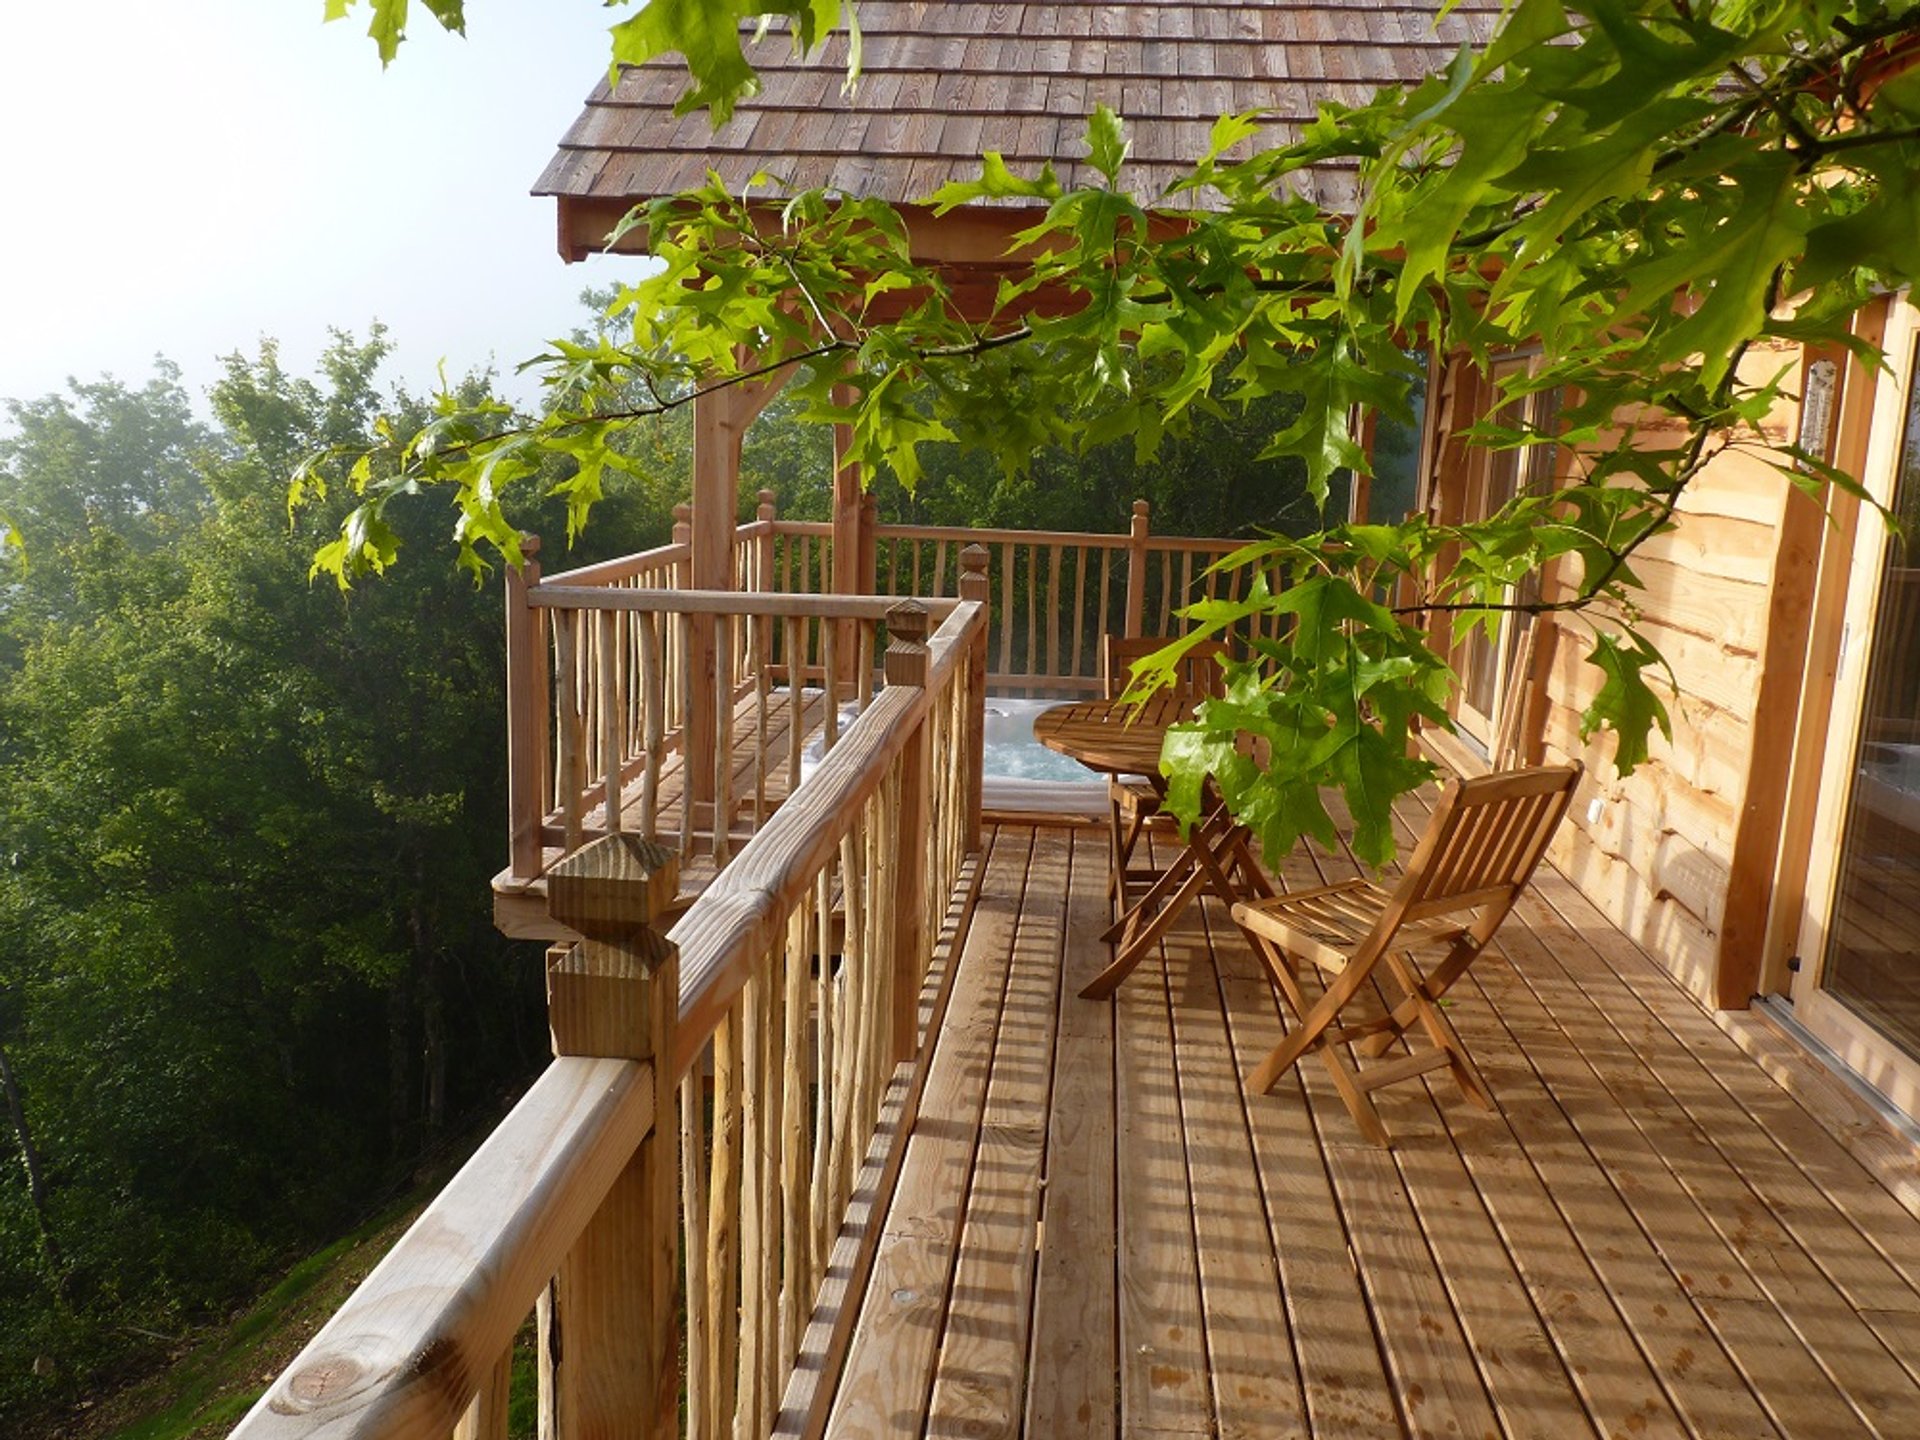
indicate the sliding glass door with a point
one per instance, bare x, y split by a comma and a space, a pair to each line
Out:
1858, 985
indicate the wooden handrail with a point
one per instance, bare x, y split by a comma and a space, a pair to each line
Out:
726, 602
736, 918
403, 1358
609, 572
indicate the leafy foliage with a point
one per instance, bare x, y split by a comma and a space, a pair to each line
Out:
248, 970
1651, 192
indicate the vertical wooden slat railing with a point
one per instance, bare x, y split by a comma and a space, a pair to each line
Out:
615, 731
621, 1193
582, 732
1055, 593
598, 699
804, 961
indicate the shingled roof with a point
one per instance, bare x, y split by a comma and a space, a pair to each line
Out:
943, 82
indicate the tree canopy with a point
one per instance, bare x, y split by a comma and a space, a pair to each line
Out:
1655, 193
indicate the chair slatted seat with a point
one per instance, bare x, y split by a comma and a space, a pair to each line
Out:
1480, 848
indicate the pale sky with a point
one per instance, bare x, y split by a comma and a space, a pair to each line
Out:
188, 177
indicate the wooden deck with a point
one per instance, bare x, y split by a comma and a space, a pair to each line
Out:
1097, 1232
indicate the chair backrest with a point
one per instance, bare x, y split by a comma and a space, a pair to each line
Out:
1485, 838
1199, 674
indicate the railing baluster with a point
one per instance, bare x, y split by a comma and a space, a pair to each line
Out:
819, 1217
651, 680
682, 644
723, 1225
829, 636
1033, 616
1080, 556
796, 703
1005, 666
693, 1213
762, 658
612, 752
570, 766
723, 748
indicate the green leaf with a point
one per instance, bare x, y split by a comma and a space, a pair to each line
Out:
996, 182
707, 34
1107, 144
1625, 704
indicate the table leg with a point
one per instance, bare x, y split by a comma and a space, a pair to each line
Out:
1198, 866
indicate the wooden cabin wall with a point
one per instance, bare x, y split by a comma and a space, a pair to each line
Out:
1657, 856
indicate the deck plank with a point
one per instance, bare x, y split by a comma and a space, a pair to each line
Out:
1163, 1363
1070, 1391
1705, 1273
888, 1372
1881, 1388
980, 1378
1250, 1354
1438, 1383
1099, 1234
1844, 1219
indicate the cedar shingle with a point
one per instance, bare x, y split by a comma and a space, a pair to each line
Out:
947, 79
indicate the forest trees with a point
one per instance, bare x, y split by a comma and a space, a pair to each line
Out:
248, 974
1647, 190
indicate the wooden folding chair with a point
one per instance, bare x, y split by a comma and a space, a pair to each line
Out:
1133, 801
1479, 851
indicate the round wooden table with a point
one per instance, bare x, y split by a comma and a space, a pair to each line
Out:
1110, 736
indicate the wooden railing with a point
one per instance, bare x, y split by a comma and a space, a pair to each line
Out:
603, 688
1053, 593
600, 659
716, 1104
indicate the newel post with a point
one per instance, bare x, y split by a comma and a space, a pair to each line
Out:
526, 705
1137, 567
762, 577
906, 664
609, 1344
974, 586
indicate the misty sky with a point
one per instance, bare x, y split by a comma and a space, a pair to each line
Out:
186, 178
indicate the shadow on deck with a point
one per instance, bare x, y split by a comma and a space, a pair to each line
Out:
1097, 1231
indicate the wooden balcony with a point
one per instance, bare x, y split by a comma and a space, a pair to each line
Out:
872, 1167
1673, 1226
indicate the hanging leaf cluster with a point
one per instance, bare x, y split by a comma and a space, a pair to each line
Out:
1658, 198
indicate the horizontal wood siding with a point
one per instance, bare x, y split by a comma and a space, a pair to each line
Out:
1657, 858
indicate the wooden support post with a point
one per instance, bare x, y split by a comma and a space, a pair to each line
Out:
906, 664
717, 433
1137, 567
848, 494
683, 535
526, 706
868, 576
974, 586
609, 1345
849, 500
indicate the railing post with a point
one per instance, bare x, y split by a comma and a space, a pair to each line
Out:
762, 579
609, 1345
974, 586
1137, 567
906, 664
526, 695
